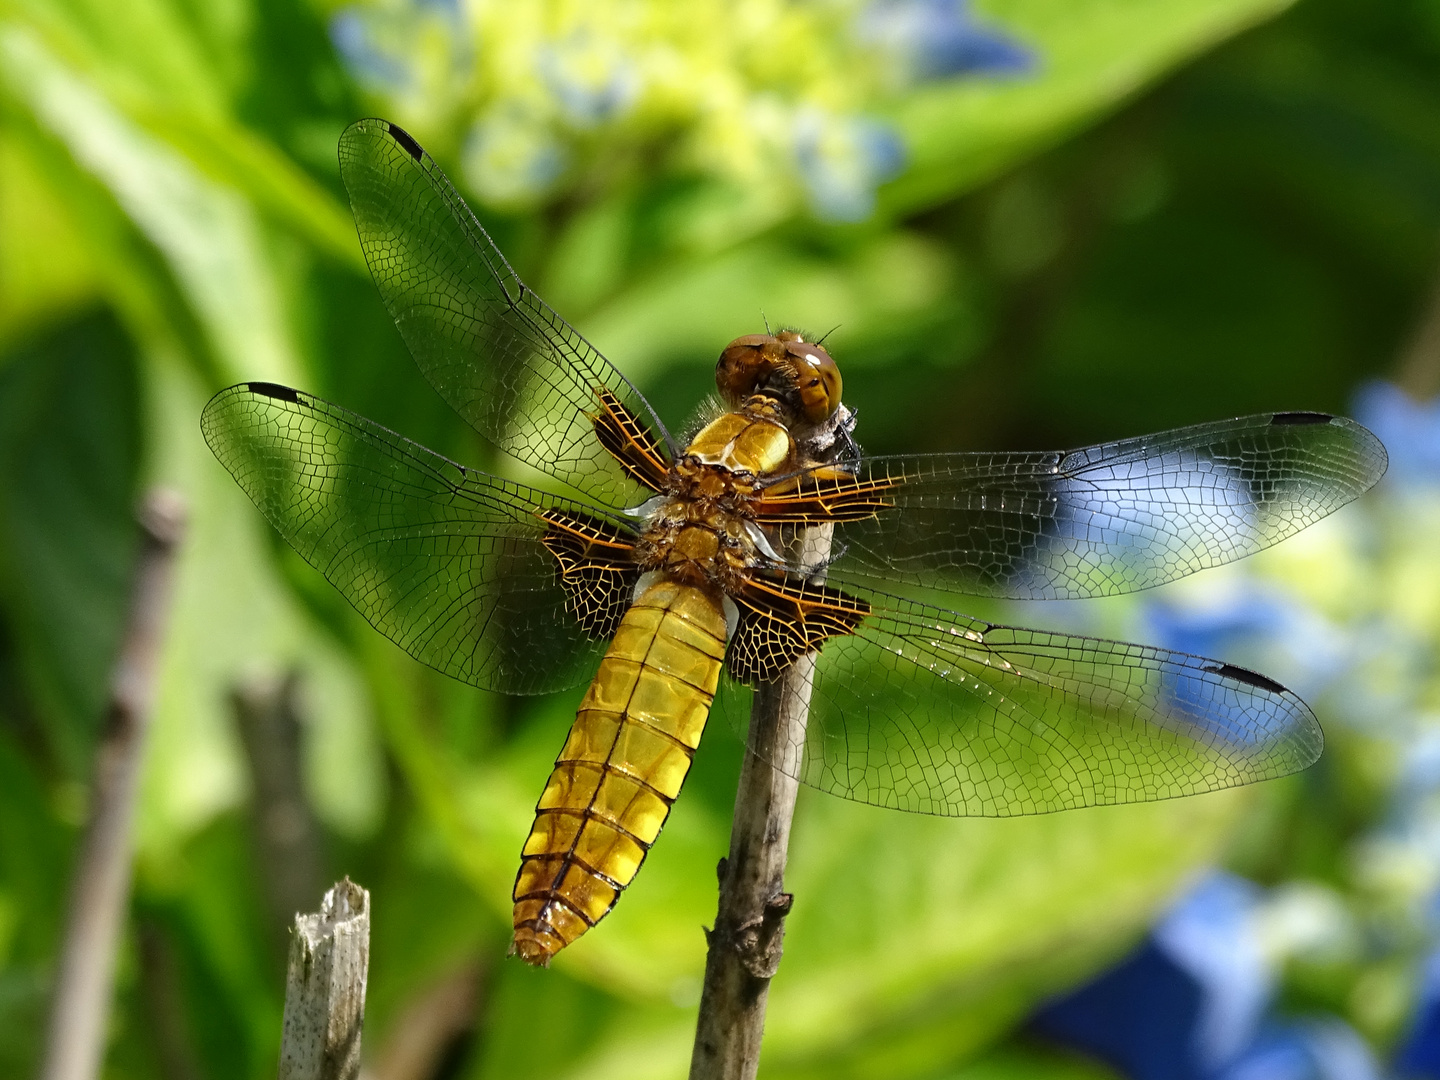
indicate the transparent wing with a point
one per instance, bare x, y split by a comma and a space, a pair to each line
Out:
1106, 519
516, 371
932, 712
446, 562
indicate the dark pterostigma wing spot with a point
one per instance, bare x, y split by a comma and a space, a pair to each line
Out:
274, 390
1245, 675
1284, 418
954, 716
405, 139
517, 372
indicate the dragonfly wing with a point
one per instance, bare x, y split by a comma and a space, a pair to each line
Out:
932, 712
1102, 520
493, 583
516, 371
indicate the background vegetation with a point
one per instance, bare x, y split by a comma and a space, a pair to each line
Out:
1036, 222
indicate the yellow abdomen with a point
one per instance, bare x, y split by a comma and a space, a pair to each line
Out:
622, 766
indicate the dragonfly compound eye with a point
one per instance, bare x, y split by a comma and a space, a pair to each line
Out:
786, 366
746, 365
817, 380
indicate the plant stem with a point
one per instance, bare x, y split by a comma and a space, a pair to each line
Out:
745, 944
100, 890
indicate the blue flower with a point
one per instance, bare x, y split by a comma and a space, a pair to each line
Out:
842, 160
934, 39
1259, 628
1191, 1002
1409, 429
1309, 1050
1419, 1054
1211, 935
1187, 1001
381, 45
510, 155
355, 41
591, 79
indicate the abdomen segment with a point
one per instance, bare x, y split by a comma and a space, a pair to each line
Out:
622, 766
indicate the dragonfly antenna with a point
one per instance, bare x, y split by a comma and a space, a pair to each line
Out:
829, 332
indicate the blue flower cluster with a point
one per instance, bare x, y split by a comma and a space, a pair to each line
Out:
1193, 1001
843, 160
538, 97
937, 39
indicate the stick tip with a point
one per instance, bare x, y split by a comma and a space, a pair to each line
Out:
345, 901
163, 515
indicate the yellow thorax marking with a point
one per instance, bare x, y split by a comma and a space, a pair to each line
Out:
738, 442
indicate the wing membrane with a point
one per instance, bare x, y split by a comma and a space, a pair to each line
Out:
1106, 519
932, 712
515, 370
448, 563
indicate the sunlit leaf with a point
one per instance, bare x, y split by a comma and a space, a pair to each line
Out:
209, 233
1093, 54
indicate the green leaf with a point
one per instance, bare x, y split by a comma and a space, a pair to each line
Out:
46, 266
35, 851
918, 940
1092, 56
231, 154
69, 457
203, 942
209, 233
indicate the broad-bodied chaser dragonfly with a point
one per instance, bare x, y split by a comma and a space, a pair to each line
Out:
675, 564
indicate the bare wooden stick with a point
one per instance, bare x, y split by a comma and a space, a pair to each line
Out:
287, 837
745, 944
325, 988
100, 890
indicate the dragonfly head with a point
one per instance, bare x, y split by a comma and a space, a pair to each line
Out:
784, 366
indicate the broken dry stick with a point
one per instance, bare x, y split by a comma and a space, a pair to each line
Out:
325, 988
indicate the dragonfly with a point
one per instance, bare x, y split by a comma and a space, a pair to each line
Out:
665, 572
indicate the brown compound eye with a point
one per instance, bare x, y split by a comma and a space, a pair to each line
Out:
817, 380
745, 364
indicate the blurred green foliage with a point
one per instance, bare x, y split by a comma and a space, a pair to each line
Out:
1177, 210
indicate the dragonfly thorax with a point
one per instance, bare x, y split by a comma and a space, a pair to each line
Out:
699, 534
701, 542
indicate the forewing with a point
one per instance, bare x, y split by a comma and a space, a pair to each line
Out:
1106, 519
448, 563
515, 370
931, 712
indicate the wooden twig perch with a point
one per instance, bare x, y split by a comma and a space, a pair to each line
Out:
745, 944
100, 889
287, 836
325, 988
